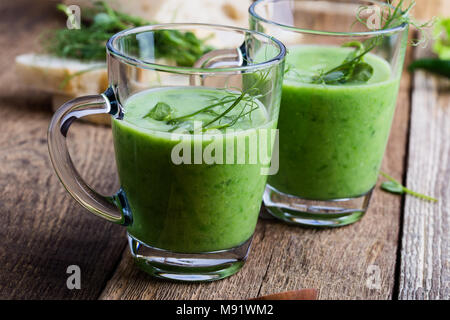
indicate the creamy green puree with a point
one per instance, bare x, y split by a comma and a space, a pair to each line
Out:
186, 207
332, 137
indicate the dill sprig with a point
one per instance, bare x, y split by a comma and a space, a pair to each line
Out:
221, 109
101, 22
353, 69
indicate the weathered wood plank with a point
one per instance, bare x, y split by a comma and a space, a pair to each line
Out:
425, 264
43, 230
425, 259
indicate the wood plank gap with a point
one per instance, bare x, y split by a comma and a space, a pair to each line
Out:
265, 274
396, 288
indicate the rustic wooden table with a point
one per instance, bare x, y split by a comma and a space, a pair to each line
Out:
404, 242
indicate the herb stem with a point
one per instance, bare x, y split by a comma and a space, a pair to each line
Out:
233, 121
234, 104
407, 190
350, 62
202, 110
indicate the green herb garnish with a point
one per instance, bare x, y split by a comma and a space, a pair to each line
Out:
102, 22
393, 186
243, 102
161, 112
353, 70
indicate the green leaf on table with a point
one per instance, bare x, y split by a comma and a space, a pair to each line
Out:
396, 187
160, 112
392, 187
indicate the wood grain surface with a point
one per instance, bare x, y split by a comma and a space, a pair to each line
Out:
44, 230
425, 258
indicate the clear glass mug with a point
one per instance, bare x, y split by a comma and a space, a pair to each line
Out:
186, 220
333, 132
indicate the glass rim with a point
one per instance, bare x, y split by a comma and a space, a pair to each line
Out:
398, 28
113, 50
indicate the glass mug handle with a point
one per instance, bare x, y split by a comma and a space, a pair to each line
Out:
112, 208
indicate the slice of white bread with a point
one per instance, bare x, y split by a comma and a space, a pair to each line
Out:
61, 75
64, 78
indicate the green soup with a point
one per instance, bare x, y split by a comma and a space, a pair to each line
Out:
332, 137
186, 207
